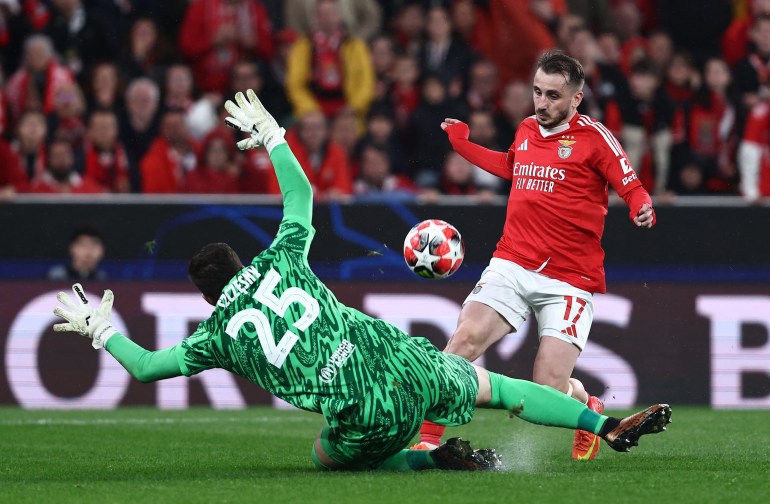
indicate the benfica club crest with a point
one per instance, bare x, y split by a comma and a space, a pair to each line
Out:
565, 149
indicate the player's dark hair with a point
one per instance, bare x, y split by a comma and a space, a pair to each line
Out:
556, 62
212, 267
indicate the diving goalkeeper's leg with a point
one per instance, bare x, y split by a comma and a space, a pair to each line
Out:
544, 405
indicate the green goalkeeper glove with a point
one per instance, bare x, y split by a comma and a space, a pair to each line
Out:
250, 116
94, 324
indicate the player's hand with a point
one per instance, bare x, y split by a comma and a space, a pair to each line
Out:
645, 217
455, 129
250, 116
81, 318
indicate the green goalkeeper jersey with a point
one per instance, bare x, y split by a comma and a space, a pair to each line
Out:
277, 325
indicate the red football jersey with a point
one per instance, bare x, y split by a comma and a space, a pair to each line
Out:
558, 199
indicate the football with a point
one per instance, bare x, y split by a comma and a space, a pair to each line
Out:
434, 249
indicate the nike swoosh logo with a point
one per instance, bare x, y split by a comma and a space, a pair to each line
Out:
587, 456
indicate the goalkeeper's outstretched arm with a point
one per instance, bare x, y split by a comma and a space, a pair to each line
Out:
94, 324
295, 186
250, 116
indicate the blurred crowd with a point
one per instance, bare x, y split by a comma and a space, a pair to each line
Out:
126, 95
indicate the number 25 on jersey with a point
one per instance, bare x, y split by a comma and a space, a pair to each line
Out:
275, 353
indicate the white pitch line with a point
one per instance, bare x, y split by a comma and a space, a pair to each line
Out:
148, 421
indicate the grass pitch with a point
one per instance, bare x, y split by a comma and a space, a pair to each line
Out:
263, 455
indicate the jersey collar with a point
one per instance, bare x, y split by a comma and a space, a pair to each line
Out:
558, 129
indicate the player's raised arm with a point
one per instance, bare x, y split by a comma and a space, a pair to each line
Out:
250, 116
492, 161
94, 324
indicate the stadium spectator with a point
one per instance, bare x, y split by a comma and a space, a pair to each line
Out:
250, 74
103, 89
752, 74
284, 42
139, 124
602, 81
426, 149
34, 85
408, 26
443, 54
405, 93
80, 36
464, 20
689, 180
482, 86
178, 87
217, 33
66, 122
104, 155
458, 179
323, 161
23, 158
660, 49
143, 54
515, 106
60, 175
753, 158
628, 26
362, 18
344, 131
484, 133
86, 251
170, 157
609, 48
381, 131
329, 69
536, 267
736, 39
647, 113
383, 60
682, 79
12, 176
566, 27
217, 170
376, 180
705, 136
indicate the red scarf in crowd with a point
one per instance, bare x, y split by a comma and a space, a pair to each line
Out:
18, 87
108, 168
328, 72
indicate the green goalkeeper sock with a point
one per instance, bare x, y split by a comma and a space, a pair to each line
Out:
409, 460
542, 405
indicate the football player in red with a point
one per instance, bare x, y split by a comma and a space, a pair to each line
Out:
549, 259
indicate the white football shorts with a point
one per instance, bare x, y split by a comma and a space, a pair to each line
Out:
562, 311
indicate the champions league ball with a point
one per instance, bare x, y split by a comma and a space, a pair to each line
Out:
434, 249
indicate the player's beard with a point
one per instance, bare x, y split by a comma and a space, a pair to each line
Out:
552, 120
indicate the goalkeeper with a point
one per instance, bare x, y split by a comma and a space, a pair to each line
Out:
276, 324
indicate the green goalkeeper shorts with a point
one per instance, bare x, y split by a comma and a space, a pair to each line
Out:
419, 383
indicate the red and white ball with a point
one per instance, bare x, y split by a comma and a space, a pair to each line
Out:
434, 249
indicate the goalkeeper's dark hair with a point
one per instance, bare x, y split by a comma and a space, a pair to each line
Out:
212, 267
556, 62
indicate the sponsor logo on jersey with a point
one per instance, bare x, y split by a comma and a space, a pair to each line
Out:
532, 177
523, 145
478, 287
565, 149
336, 361
626, 167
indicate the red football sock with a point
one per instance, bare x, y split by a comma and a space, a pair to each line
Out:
431, 433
